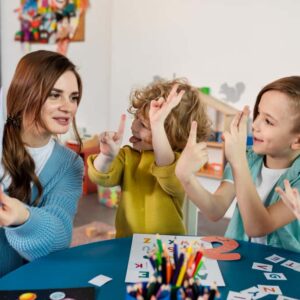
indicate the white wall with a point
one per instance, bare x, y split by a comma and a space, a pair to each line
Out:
208, 41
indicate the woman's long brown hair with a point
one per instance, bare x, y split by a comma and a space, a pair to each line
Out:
34, 78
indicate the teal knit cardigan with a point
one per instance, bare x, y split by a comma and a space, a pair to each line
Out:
49, 227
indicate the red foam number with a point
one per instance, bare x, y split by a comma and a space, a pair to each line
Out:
220, 253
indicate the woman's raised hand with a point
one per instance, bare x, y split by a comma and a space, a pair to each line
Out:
12, 211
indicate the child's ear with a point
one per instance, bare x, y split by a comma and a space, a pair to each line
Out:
296, 143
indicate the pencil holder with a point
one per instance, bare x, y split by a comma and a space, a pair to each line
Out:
174, 276
191, 291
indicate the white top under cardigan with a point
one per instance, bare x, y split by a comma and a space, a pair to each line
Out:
40, 156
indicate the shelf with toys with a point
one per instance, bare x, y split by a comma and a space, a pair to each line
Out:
89, 146
221, 115
211, 173
216, 161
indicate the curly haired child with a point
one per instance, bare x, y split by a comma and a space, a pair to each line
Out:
152, 197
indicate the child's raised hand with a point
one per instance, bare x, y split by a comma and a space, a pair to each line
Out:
290, 197
110, 141
235, 140
159, 109
12, 211
193, 157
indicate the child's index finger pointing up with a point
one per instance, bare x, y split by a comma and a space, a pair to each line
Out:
193, 134
121, 128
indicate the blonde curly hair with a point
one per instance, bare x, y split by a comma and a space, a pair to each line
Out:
178, 123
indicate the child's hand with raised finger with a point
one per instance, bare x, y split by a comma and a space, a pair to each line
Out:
160, 109
193, 157
110, 141
236, 138
110, 144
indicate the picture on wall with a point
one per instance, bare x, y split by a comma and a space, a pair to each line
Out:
51, 22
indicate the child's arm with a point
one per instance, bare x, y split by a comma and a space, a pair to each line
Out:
193, 157
258, 220
110, 143
159, 110
290, 197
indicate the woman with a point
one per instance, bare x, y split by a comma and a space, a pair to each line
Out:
41, 179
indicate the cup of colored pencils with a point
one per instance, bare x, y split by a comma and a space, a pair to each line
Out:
174, 277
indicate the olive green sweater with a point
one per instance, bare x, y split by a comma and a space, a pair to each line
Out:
152, 197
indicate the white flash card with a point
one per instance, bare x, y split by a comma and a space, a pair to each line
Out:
237, 296
254, 292
275, 276
275, 258
270, 289
291, 265
262, 267
100, 280
281, 297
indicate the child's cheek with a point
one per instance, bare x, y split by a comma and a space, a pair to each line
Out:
148, 140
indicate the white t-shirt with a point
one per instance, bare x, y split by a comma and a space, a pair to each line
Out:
40, 156
265, 181
264, 184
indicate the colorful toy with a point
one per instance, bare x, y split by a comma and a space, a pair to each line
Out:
109, 196
50, 21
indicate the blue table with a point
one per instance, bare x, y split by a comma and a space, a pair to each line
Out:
74, 267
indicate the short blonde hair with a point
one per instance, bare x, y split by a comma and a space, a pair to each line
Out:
178, 123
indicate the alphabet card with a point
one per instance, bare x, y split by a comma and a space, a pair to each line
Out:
262, 267
270, 289
275, 276
275, 258
139, 267
292, 265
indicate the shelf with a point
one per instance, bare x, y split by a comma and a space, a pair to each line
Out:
210, 175
211, 170
215, 144
87, 185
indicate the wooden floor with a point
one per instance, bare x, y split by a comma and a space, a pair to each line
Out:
89, 210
